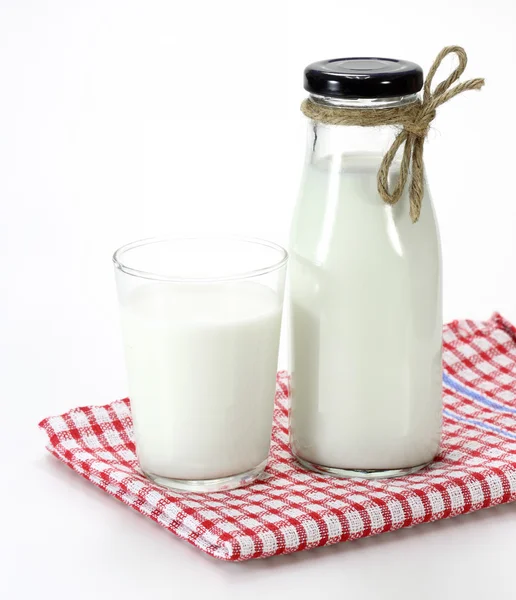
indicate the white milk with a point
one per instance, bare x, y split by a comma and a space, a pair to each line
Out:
366, 323
201, 363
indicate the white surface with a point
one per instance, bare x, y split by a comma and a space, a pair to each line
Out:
104, 138
357, 269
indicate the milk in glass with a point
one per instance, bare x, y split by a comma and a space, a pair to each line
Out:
201, 362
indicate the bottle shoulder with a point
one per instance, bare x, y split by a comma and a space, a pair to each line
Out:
340, 210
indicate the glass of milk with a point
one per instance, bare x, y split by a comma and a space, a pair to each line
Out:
201, 327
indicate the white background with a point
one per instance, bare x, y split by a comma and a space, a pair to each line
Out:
124, 119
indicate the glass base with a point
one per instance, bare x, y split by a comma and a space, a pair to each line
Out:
209, 485
360, 473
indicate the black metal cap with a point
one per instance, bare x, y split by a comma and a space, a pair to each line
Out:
363, 78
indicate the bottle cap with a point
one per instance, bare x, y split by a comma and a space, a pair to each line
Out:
363, 78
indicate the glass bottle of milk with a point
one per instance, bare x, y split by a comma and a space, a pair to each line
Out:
365, 285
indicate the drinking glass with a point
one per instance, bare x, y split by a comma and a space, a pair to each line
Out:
201, 326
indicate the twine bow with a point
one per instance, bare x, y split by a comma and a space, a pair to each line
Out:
415, 119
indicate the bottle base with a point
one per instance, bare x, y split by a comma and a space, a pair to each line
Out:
360, 473
223, 484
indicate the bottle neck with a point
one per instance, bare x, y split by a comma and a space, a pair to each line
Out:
335, 140
364, 103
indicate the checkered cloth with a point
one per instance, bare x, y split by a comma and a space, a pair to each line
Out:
292, 509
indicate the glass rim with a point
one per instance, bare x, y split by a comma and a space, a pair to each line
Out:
145, 274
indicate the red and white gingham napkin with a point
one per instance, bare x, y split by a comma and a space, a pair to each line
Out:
292, 509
